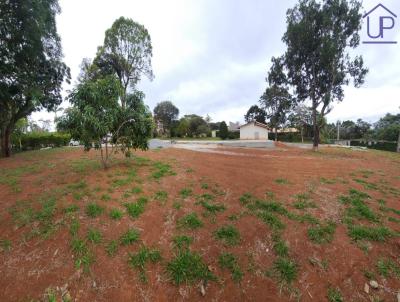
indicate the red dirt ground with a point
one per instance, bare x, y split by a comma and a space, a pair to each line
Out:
35, 264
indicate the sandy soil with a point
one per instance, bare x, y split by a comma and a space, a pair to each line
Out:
34, 264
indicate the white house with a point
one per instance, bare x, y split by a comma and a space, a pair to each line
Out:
254, 130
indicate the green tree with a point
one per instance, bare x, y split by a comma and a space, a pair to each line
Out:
127, 53
276, 100
318, 38
388, 127
166, 112
31, 67
301, 118
223, 130
255, 113
183, 127
96, 118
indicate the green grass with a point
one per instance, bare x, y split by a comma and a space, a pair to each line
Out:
228, 234
185, 192
303, 202
246, 198
367, 185
84, 257
388, 268
112, 247
188, 267
327, 181
177, 205
135, 209
280, 248
94, 236
281, 181
105, 197
212, 208
286, 269
322, 233
71, 209
271, 220
143, 256
229, 261
334, 295
5, 245
190, 221
161, 196
129, 237
161, 170
74, 227
93, 210
182, 242
360, 232
136, 190
116, 214
204, 186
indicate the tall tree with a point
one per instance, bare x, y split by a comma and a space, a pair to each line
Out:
223, 130
318, 38
276, 100
166, 112
301, 117
255, 113
127, 53
31, 67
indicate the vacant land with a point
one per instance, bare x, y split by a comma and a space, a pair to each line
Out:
170, 225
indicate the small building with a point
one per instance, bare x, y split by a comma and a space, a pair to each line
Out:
254, 130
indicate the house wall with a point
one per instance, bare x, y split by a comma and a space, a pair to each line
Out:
249, 132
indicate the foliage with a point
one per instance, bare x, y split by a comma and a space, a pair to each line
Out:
255, 113
229, 261
126, 53
140, 259
318, 38
31, 76
228, 234
165, 112
190, 221
37, 140
97, 117
223, 130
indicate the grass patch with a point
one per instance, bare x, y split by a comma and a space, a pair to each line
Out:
71, 209
116, 214
188, 267
5, 245
190, 221
229, 261
135, 209
182, 242
360, 232
161, 196
136, 190
94, 236
322, 233
334, 295
246, 198
282, 181
388, 268
143, 256
286, 269
84, 257
303, 202
129, 237
280, 248
74, 227
228, 234
212, 208
112, 248
161, 170
185, 192
105, 197
93, 210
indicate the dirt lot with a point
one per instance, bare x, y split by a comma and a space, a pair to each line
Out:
179, 225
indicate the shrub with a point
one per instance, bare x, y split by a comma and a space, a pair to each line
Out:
37, 140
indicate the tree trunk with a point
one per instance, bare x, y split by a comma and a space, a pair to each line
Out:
5, 142
398, 143
315, 127
301, 133
276, 134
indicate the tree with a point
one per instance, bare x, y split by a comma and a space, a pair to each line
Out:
276, 100
166, 112
388, 127
127, 53
318, 38
255, 113
97, 118
223, 130
31, 67
301, 117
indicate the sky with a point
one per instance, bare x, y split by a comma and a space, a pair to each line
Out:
212, 56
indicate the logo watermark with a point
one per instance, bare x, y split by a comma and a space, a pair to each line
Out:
385, 20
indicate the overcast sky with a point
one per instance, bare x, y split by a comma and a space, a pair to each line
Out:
212, 56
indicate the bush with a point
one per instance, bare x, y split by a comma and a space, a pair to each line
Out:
378, 145
37, 140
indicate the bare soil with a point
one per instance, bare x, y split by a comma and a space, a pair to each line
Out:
32, 266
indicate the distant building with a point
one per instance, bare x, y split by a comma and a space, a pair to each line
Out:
254, 131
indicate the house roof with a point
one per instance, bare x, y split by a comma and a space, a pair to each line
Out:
380, 5
255, 124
